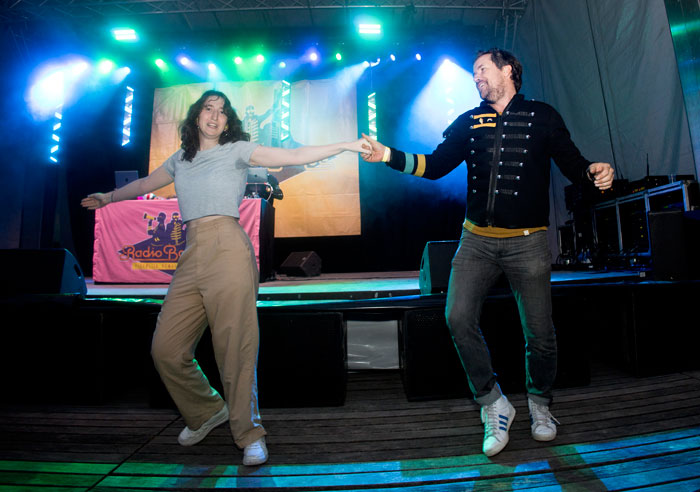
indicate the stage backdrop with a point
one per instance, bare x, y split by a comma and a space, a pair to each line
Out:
320, 199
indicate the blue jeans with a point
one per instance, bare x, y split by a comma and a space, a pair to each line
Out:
526, 263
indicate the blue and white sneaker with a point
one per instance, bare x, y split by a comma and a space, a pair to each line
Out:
497, 419
542, 424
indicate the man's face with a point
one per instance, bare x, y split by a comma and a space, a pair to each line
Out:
491, 81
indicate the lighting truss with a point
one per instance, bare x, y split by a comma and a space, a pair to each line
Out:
56, 122
128, 106
372, 114
23, 9
285, 103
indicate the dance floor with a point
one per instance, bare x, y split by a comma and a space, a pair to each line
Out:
624, 429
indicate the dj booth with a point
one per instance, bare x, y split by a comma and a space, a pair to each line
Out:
140, 241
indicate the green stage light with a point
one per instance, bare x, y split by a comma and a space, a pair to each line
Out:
161, 64
124, 34
370, 29
338, 56
105, 66
238, 60
260, 58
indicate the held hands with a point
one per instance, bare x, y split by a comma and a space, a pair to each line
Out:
602, 175
360, 145
375, 151
96, 200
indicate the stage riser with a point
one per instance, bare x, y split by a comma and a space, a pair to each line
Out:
647, 329
431, 368
68, 349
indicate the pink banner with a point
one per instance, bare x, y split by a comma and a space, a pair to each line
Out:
140, 241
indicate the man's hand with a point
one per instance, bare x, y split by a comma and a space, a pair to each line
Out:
377, 151
602, 175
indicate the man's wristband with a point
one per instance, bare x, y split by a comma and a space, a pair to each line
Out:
387, 154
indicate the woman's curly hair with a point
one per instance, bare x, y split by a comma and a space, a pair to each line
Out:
189, 133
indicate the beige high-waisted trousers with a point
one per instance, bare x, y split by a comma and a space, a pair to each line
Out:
215, 284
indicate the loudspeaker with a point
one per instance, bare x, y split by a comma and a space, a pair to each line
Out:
41, 271
430, 365
302, 360
673, 238
435, 266
301, 264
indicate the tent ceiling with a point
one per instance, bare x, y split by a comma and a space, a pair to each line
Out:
172, 16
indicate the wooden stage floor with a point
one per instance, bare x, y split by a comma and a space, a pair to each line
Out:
618, 433
622, 431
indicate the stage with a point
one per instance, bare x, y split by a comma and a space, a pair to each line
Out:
85, 411
347, 286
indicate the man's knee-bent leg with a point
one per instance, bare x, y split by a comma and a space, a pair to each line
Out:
531, 284
473, 273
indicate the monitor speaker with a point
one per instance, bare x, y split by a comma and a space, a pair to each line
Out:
41, 271
301, 264
435, 266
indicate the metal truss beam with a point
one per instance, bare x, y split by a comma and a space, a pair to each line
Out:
29, 9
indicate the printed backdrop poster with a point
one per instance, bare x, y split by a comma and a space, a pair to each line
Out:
320, 199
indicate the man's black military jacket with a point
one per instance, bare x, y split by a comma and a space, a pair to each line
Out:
508, 161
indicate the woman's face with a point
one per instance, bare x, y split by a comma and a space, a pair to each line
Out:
212, 120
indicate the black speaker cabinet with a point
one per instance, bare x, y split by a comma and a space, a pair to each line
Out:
674, 242
435, 266
430, 366
301, 264
41, 271
302, 360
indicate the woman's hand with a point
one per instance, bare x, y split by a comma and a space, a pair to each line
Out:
96, 200
360, 145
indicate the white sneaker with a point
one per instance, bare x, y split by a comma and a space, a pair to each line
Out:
189, 437
497, 419
255, 453
542, 424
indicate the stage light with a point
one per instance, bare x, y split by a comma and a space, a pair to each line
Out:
51, 85
260, 58
238, 60
48, 92
370, 28
211, 67
105, 66
375, 63
78, 68
365, 64
338, 56
124, 34
128, 106
418, 57
282, 64
393, 57
313, 56
184, 61
161, 64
